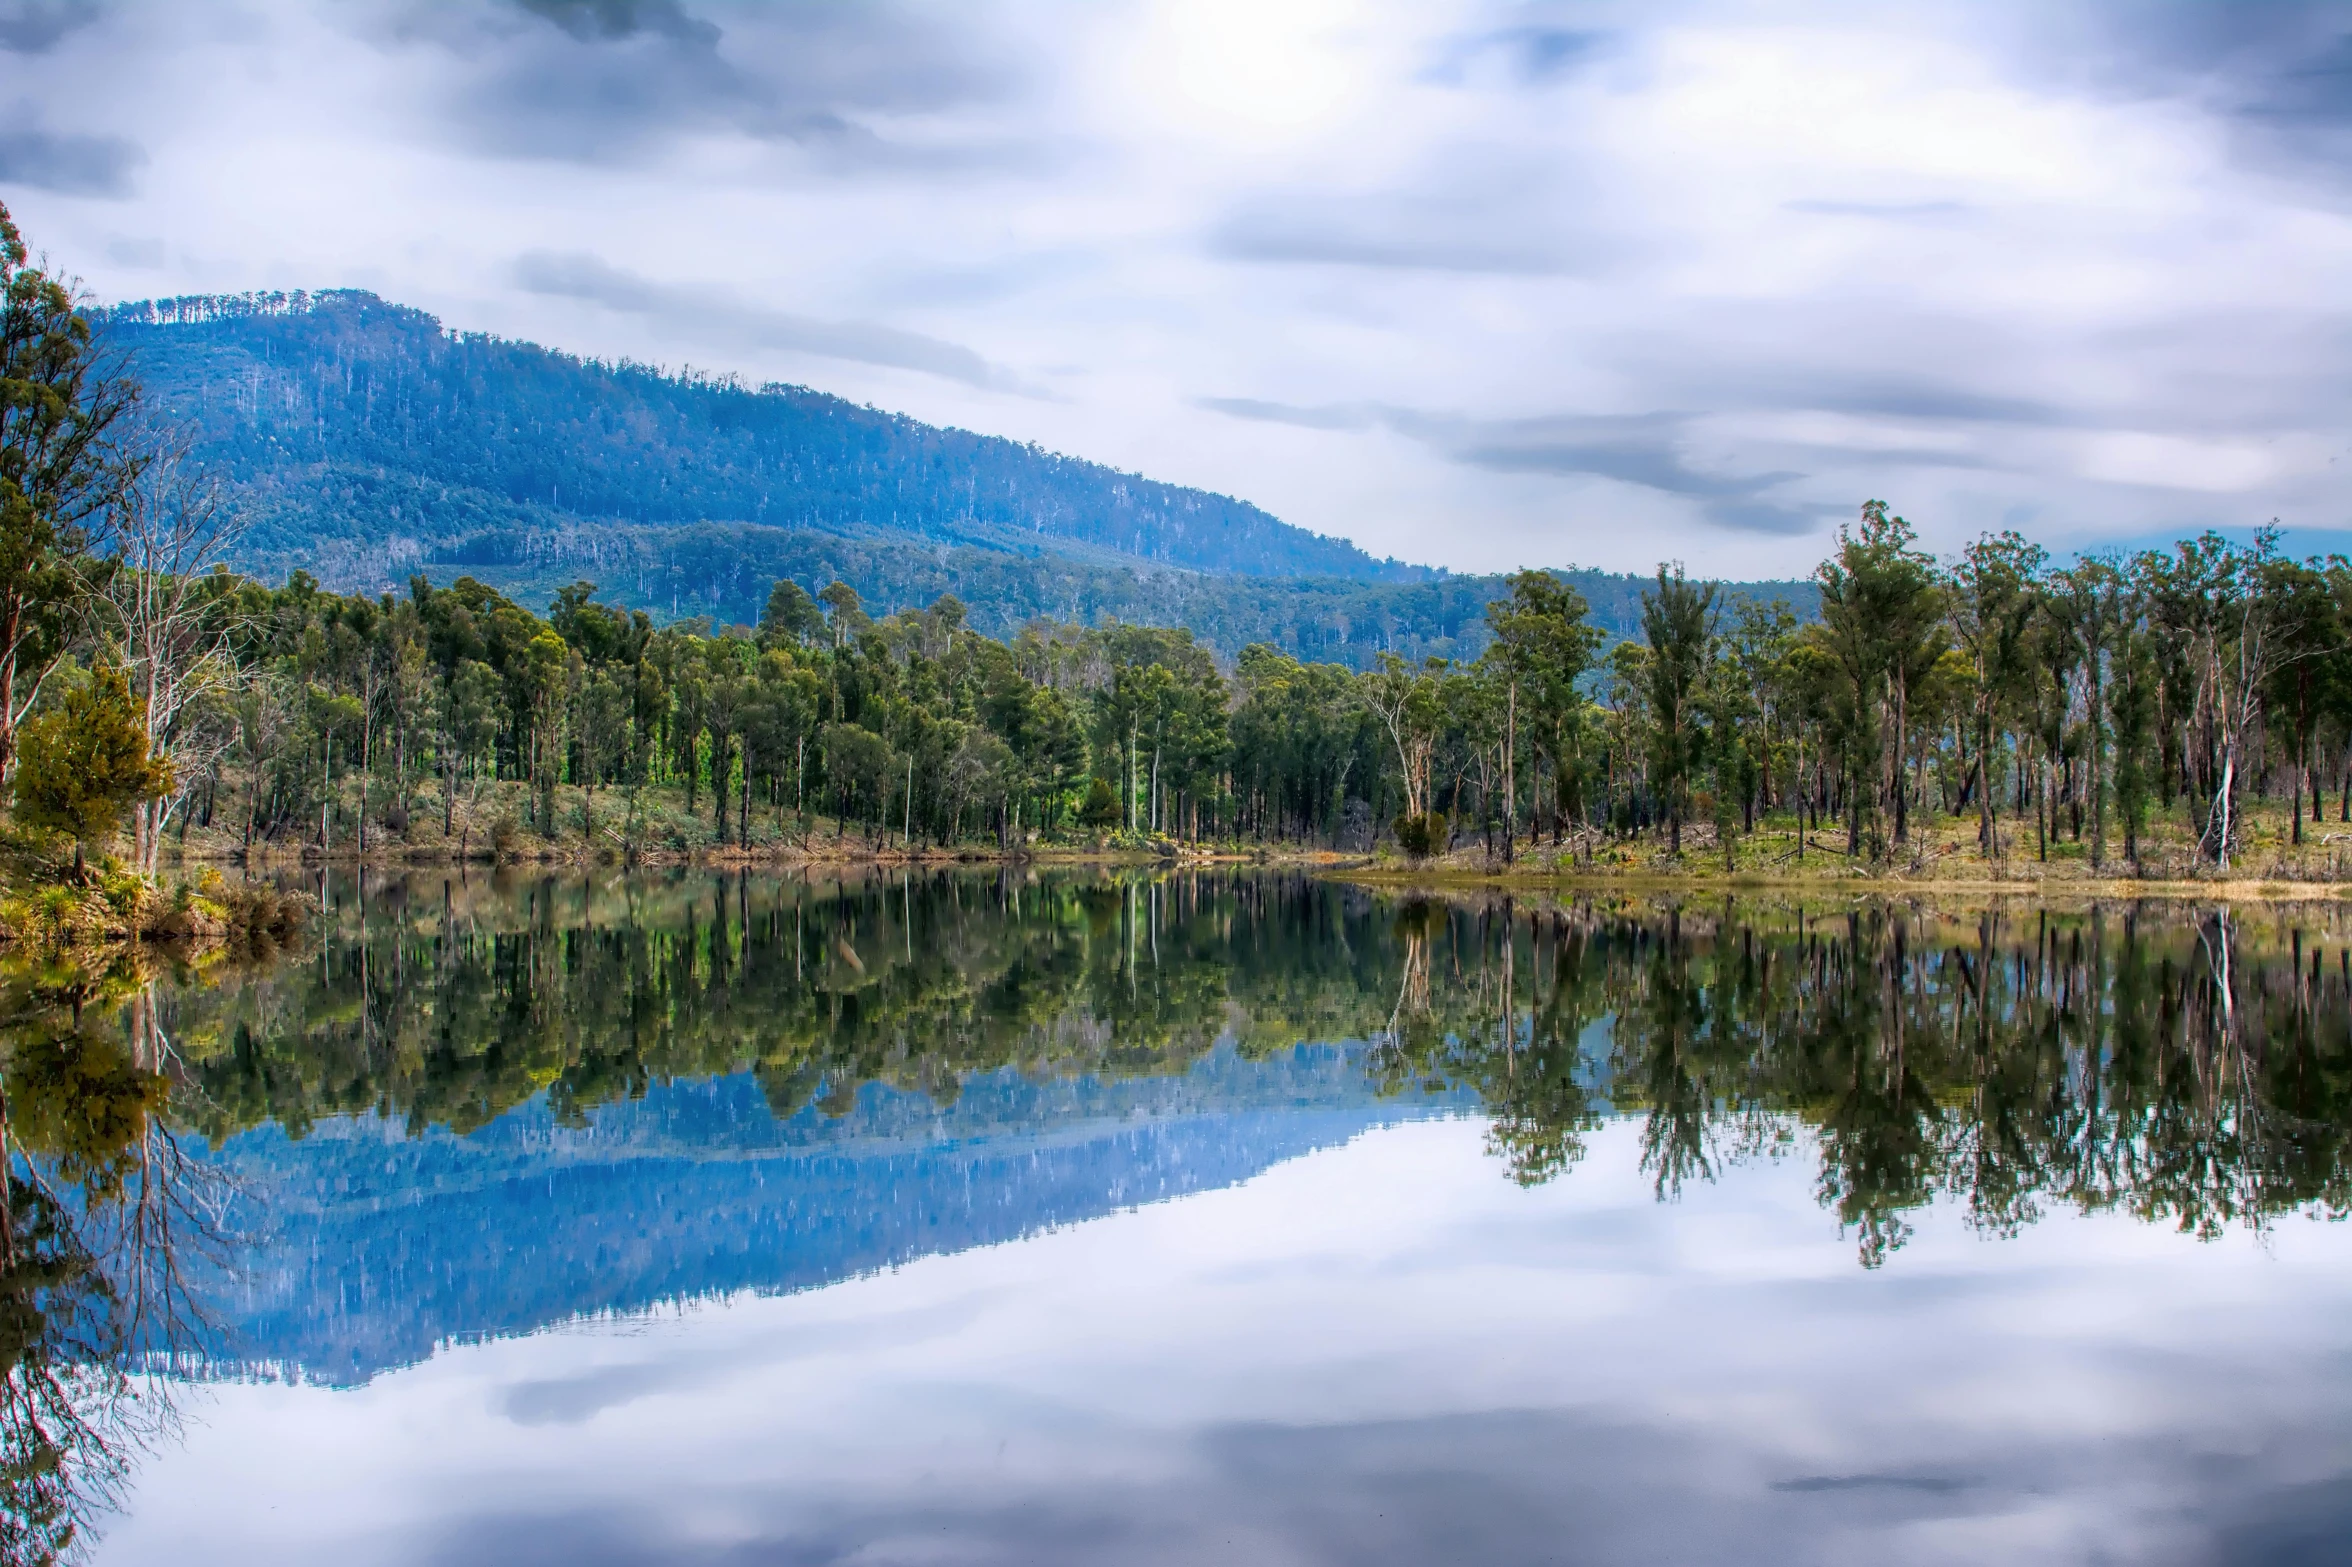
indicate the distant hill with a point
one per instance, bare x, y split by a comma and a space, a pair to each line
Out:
367, 444
353, 421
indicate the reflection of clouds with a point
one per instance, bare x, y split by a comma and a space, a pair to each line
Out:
573, 1397
1381, 1353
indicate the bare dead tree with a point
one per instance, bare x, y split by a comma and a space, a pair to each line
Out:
2242, 651
163, 617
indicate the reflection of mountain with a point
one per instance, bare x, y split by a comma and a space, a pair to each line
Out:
381, 1245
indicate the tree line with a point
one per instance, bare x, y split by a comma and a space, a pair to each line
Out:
2042, 706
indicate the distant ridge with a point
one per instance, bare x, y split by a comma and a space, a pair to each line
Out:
351, 420
368, 444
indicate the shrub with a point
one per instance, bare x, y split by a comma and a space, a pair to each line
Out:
1421, 836
84, 762
1101, 807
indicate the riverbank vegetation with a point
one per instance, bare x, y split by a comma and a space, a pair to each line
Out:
2177, 714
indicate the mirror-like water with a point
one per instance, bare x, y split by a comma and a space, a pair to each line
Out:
1191, 1219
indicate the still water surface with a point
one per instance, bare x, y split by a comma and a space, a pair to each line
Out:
1233, 1219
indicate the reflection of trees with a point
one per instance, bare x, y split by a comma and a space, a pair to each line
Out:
2178, 1066
2186, 1068
98, 1216
447, 1003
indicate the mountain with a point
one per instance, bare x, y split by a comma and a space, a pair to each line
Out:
350, 420
377, 1245
365, 444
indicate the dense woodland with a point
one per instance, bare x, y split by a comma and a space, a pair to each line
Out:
2068, 704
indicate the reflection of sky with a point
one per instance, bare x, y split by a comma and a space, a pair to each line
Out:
1383, 1352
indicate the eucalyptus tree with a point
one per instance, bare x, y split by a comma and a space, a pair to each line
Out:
1678, 626
1301, 740
2132, 707
790, 615
1405, 698
2087, 602
2308, 629
2208, 598
2336, 680
1544, 646
1993, 595
67, 457
1880, 635
166, 618
1759, 648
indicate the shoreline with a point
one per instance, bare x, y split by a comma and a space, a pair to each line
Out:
1372, 872
2235, 889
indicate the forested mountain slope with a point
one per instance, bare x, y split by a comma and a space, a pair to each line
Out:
356, 420
365, 444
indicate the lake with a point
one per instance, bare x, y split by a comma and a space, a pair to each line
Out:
1167, 1219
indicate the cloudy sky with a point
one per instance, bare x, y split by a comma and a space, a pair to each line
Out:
1469, 281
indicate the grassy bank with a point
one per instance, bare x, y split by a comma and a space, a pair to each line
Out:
1940, 855
45, 905
506, 823
649, 826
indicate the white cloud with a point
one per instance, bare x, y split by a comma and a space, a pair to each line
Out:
1620, 282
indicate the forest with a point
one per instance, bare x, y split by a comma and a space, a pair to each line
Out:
2040, 706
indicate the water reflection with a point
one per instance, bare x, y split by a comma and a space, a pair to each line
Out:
2187, 1066
103, 1219
468, 1108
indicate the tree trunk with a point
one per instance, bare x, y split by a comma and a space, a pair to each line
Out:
2295, 797
1511, 773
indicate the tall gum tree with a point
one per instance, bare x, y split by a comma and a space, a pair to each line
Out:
63, 464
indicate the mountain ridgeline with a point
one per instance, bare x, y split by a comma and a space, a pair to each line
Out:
366, 444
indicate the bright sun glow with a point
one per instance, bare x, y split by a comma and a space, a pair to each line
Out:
1250, 66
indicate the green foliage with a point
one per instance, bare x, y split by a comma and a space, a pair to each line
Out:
64, 407
1101, 807
83, 762
76, 1098
1423, 835
1678, 627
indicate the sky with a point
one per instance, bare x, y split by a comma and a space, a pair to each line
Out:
1471, 282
